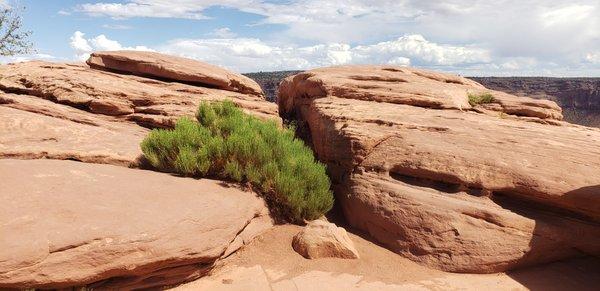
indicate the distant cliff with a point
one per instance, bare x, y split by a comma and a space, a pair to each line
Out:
269, 81
579, 97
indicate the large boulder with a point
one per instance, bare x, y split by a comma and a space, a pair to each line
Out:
67, 224
173, 68
70, 111
460, 187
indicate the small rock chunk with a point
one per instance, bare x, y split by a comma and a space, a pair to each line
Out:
321, 239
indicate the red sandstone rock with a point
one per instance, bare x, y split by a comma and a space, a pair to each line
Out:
68, 224
33, 128
321, 239
69, 111
401, 85
424, 173
149, 102
175, 69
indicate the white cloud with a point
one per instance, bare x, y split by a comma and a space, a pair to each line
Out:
102, 43
566, 15
84, 47
187, 9
425, 52
514, 36
223, 32
80, 45
116, 26
246, 55
63, 12
593, 57
250, 54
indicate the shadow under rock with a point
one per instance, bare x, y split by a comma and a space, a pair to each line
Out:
581, 274
565, 246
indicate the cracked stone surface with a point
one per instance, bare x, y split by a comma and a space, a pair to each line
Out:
460, 188
68, 224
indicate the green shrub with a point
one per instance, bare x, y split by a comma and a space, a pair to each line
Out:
482, 98
228, 144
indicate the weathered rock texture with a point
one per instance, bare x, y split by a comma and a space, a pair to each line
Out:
33, 128
67, 224
408, 86
322, 239
70, 111
578, 97
455, 187
173, 68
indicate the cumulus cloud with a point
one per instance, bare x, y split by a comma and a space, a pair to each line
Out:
251, 54
248, 54
422, 50
83, 47
549, 32
80, 45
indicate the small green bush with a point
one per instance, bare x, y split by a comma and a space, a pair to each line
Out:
228, 144
483, 98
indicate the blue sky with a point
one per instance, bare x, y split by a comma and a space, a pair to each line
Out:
470, 37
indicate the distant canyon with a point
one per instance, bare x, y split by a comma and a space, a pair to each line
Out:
578, 97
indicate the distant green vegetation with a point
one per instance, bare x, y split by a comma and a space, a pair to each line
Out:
482, 98
228, 144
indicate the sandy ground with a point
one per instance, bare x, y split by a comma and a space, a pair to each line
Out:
270, 263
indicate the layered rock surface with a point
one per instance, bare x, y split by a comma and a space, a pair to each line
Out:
33, 128
173, 68
579, 97
67, 223
70, 111
457, 187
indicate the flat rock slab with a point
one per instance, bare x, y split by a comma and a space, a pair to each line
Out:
148, 102
67, 224
174, 68
410, 86
33, 128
